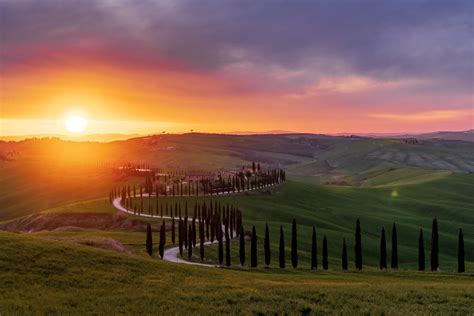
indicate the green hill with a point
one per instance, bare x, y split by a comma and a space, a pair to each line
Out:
49, 277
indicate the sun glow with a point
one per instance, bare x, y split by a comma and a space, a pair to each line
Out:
76, 124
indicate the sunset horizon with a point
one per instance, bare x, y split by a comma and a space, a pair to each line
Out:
116, 65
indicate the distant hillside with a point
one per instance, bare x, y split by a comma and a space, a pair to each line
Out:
446, 135
302, 154
463, 135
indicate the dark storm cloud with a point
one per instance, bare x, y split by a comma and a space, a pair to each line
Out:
381, 39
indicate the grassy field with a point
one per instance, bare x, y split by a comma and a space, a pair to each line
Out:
334, 211
88, 258
61, 278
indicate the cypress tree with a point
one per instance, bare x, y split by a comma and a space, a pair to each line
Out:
294, 245
173, 234
461, 267
201, 240
266, 246
220, 245
180, 236
253, 249
242, 246
227, 249
394, 248
149, 240
358, 247
282, 248
325, 253
421, 252
194, 239
190, 242
345, 263
185, 232
383, 251
161, 248
434, 246
314, 251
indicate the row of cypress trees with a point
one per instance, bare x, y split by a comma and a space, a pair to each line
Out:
434, 262
207, 222
210, 225
205, 186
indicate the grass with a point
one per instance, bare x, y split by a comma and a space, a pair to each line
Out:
61, 278
334, 210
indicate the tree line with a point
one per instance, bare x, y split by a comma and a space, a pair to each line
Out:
210, 222
176, 185
383, 265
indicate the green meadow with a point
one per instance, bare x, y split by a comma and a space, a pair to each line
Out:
64, 249
50, 277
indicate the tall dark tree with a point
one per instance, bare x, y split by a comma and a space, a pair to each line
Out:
193, 232
173, 233
190, 243
345, 263
220, 245
161, 247
434, 246
253, 249
461, 267
325, 253
282, 248
266, 246
358, 247
383, 251
180, 236
201, 240
227, 249
294, 245
314, 251
394, 264
149, 240
421, 252
242, 246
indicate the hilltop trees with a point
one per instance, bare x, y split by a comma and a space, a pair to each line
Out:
394, 264
281, 253
358, 247
253, 249
242, 246
294, 245
434, 246
266, 246
325, 253
383, 251
461, 267
421, 252
344, 255
314, 251
149, 240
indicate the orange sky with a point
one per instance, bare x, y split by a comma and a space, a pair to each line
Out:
144, 84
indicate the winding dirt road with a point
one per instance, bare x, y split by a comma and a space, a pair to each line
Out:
170, 254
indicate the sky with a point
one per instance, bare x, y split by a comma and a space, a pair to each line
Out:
221, 66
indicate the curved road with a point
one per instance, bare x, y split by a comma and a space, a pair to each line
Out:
170, 254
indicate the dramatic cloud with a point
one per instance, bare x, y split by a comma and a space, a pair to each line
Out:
304, 54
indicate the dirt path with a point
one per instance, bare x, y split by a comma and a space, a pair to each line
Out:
170, 254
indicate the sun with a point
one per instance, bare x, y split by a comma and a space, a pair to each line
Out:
76, 124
